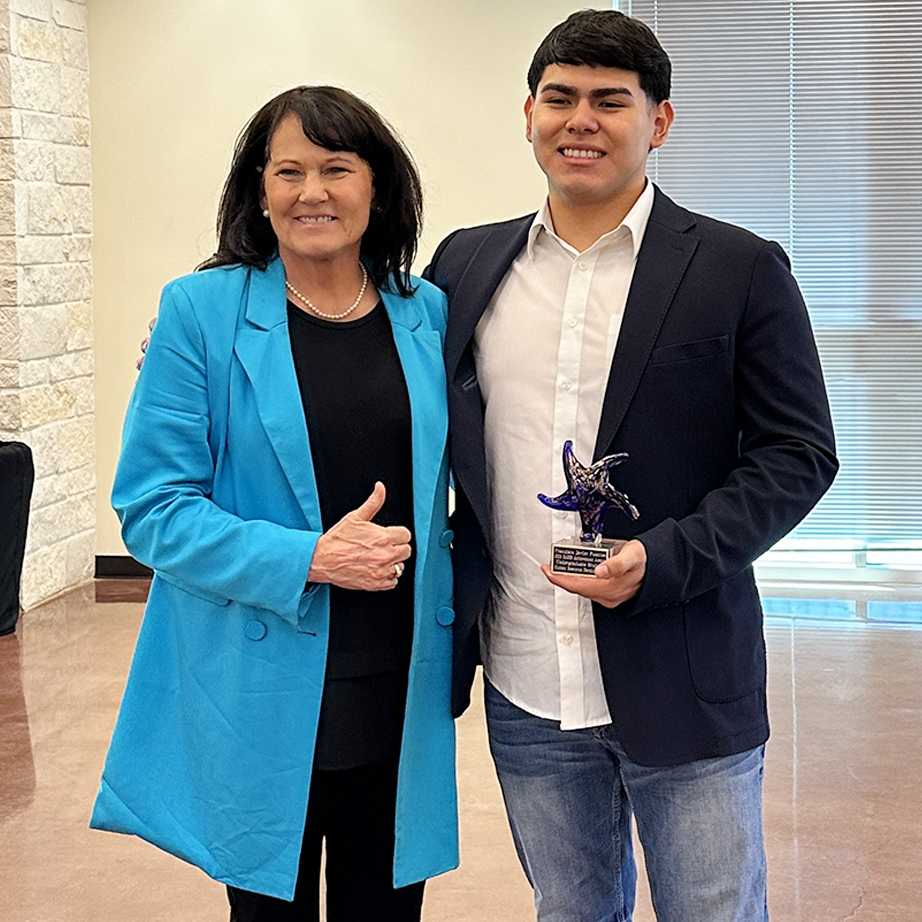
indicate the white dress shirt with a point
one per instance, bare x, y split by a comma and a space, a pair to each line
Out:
543, 350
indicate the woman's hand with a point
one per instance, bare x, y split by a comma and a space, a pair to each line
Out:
144, 344
358, 554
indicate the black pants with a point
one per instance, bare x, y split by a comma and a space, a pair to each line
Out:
353, 810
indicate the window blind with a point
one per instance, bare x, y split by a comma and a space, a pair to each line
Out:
802, 121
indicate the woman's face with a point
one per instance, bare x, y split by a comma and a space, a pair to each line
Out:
319, 200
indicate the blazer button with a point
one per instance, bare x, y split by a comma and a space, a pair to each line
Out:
445, 616
446, 537
255, 630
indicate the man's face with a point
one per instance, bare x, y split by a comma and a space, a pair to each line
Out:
591, 129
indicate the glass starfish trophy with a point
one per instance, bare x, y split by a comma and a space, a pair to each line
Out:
590, 493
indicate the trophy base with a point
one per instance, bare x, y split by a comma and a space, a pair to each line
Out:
575, 557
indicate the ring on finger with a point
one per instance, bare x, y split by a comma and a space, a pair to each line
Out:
398, 570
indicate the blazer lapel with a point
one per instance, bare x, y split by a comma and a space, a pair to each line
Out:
486, 266
420, 352
483, 270
664, 255
264, 349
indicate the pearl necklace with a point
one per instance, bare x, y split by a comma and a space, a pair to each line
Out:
320, 313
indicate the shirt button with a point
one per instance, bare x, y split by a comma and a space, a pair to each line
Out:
584, 266
561, 514
567, 638
567, 385
571, 321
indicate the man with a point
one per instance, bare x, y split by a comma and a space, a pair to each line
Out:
617, 319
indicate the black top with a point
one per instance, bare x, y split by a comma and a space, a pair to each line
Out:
358, 419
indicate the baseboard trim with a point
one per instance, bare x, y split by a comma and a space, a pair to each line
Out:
113, 566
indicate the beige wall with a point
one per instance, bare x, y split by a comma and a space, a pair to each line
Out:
172, 82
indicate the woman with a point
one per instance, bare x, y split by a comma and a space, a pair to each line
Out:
284, 472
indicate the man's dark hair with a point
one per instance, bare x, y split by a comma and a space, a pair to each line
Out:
335, 119
606, 38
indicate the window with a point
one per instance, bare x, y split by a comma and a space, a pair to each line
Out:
802, 121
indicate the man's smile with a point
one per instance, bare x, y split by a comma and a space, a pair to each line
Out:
581, 153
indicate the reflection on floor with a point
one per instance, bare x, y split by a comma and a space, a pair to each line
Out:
842, 789
875, 612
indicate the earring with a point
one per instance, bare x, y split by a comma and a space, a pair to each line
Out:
265, 212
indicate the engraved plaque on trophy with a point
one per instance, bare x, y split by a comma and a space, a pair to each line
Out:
590, 493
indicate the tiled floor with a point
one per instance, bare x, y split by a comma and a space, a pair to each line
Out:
842, 795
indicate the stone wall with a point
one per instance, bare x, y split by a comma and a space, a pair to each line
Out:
46, 336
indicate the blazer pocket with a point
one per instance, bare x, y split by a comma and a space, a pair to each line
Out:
205, 594
683, 352
723, 637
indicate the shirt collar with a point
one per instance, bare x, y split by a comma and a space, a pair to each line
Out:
635, 222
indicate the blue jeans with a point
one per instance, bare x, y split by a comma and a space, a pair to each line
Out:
570, 796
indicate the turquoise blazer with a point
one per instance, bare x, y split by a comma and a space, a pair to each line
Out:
212, 751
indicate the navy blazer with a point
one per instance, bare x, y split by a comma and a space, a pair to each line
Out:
717, 394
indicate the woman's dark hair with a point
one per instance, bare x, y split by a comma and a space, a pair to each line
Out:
606, 38
335, 119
